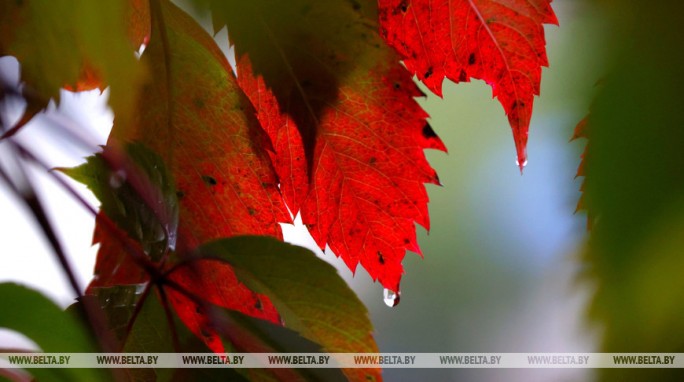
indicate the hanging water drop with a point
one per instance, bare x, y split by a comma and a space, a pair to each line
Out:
391, 298
517, 162
117, 179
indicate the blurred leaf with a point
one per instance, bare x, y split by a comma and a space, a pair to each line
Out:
307, 292
634, 184
54, 331
80, 44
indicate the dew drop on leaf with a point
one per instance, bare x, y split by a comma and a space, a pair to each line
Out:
391, 298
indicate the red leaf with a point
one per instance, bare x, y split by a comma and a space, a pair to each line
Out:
366, 184
203, 126
501, 42
114, 265
215, 282
288, 157
198, 120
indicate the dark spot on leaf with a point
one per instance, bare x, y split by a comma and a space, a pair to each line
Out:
428, 132
471, 59
407, 241
403, 6
180, 194
355, 5
380, 258
205, 332
209, 180
258, 305
397, 86
514, 105
198, 309
251, 211
372, 160
428, 73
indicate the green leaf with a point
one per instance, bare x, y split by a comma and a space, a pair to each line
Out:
30, 313
252, 335
75, 43
139, 195
307, 292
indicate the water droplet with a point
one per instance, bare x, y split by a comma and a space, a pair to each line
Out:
517, 163
391, 298
117, 179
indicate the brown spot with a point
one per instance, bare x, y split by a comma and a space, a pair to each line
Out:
380, 258
258, 305
180, 194
372, 160
428, 73
251, 211
209, 180
471, 59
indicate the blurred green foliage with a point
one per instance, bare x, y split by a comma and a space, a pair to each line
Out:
635, 186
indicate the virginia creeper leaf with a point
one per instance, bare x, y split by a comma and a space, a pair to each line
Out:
197, 119
362, 134
140, 197
306, 291
146, 212
78, 44
216, 284
54, 331
498, 41
203, 127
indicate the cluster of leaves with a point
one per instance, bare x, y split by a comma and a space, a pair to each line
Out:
321, 121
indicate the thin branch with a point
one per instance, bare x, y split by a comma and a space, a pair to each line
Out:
27, 193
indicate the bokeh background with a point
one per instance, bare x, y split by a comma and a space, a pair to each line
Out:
502, 259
